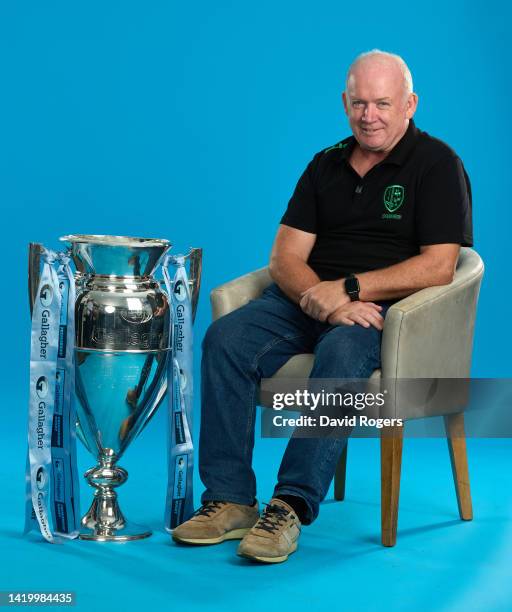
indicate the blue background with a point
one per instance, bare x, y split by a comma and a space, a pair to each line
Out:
193, 121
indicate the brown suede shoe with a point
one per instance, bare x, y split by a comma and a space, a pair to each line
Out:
274, 536
216, 521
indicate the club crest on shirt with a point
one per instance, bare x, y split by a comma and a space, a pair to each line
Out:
394, 196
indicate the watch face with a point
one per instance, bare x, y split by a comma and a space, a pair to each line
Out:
352, 284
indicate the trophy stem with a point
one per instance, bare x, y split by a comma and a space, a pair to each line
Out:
104, 521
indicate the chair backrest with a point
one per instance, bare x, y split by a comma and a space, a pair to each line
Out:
430, 333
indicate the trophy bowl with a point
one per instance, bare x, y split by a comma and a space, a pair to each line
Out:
122, 346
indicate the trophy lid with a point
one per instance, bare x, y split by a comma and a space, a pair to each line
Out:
116, 255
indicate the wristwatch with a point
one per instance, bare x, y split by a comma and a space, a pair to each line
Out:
352, 287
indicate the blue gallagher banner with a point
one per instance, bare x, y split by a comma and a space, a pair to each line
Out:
179, 502
51, 476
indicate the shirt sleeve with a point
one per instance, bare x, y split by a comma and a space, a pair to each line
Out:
443, 213
301, 212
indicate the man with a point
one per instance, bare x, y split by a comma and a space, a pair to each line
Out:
373, 218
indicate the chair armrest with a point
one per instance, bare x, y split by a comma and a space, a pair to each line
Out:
236, 293
430, 334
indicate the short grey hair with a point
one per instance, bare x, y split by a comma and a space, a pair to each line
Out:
392, 56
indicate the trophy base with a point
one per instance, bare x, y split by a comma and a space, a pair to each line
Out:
104, 521
125, 533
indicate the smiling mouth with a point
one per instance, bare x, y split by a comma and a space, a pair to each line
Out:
369, 131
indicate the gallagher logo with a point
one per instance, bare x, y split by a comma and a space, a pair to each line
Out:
180, 291
41, 478
46, 296
42, 387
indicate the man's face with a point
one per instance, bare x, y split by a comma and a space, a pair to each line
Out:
377, 105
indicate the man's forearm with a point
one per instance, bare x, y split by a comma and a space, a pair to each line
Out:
405, 278
292, 275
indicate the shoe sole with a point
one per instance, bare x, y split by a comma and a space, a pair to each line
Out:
269, 559
235, 534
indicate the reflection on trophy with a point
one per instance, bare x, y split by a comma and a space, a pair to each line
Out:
122, 350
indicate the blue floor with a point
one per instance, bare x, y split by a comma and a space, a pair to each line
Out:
439, 563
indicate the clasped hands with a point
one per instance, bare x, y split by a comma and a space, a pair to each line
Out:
328, 302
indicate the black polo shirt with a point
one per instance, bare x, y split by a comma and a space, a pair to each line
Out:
418, 195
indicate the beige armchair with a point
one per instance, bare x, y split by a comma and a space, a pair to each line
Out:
426, 335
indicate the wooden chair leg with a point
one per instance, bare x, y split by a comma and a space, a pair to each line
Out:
391, 443
456, 437
340, 475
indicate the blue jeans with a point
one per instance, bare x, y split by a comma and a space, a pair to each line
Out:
251, 343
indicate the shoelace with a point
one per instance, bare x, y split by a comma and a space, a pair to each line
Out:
273, 517
208, 508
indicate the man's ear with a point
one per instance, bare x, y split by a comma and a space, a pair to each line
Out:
412, 105
345, 102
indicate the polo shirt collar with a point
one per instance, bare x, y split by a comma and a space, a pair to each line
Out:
401, 151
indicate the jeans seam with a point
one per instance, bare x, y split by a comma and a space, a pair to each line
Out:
327, 457
254, 368
370, 355
270, 345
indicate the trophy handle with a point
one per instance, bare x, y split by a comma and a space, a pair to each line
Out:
34, 262
196, 267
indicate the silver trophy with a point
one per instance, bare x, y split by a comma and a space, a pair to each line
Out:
122, 348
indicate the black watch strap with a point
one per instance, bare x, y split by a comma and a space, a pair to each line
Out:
352, 287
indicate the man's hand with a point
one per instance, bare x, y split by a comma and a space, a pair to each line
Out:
323, 299
362, 313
